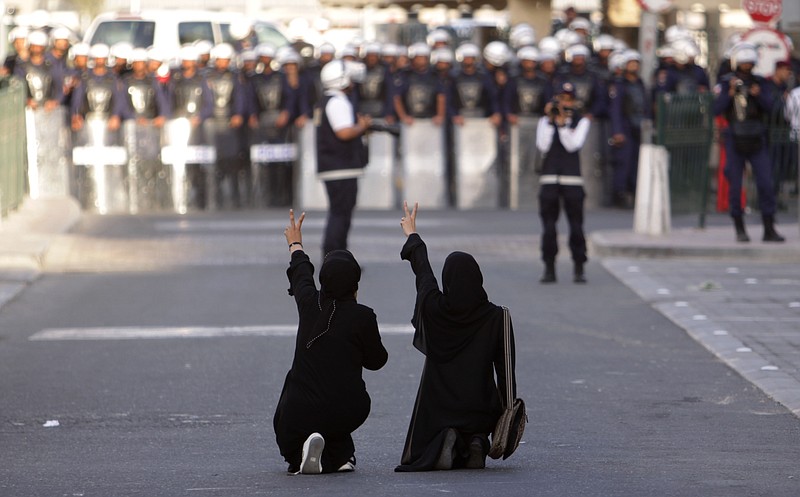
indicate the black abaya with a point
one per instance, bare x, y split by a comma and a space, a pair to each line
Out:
461, 334
337, 337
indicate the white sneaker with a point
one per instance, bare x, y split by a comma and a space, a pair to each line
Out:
311, 463
349, 466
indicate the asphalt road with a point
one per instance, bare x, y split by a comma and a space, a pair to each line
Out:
621, 402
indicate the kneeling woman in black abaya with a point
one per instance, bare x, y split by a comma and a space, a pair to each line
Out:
461, 334
324, 398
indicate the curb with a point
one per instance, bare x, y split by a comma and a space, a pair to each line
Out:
25, 238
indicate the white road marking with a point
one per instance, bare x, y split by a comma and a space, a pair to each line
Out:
162, 332
191, 225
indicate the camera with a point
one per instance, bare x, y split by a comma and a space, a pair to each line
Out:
555, 109
392, 129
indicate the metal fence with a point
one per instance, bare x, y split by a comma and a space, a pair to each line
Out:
684, 126
12, 145
782, 143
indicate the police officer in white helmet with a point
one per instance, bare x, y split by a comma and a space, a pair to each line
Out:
341, 155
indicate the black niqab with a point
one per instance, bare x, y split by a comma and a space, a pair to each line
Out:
457, 314
338, 280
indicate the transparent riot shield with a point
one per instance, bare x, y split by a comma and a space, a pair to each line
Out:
273, 154
376, 189
310, 190
526, 162
48, 152
190, 161
148, 181
476, 175
102, 174
423, 164
227, 143
592, 165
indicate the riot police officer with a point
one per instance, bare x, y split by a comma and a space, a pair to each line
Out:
739, 97
589, 89
98, 94
224, 128
418, 93
42, 77
18, 38
683, 76
629, 106
191, 98
145, 115
560, 136
474, 93
374, 95
528, 91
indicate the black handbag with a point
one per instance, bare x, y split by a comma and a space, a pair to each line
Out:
511, 425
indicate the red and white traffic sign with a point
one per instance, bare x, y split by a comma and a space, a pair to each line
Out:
772, 47
765, 11
656, 6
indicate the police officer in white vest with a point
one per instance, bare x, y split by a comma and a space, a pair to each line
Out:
341, 155
560, 135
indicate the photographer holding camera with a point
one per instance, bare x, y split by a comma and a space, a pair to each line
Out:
341, 155
560, 135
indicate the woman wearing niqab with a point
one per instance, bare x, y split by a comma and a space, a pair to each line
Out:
461, 334
324, 398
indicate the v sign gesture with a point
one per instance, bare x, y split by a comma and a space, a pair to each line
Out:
293, 233
409, 220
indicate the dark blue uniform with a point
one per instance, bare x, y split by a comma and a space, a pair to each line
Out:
628, 107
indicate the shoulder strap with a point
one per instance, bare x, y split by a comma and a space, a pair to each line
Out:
507, 355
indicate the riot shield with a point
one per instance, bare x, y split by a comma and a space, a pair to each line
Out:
48, 157
189, 159
376, 190
101, 162
592, 166
148, 181
476, 175
273, 153
227, 142
423, 164
310, 191
526, 162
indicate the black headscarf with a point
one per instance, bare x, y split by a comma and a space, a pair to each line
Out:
446, 322
338, 281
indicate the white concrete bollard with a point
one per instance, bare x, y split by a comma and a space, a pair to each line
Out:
651, 214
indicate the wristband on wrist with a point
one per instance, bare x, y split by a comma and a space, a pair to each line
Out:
295, 243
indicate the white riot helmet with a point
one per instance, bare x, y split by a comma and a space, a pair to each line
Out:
438, 36
372, 47
18, 33
288, 56
203, 47
528, 53
349, 51
442, 55
545, 55
579, 50
604, 42
60, 33
685, 50
666, 52
38, 38
265, 50
334, 75
189, 53
744, 53
154, 53
467, 50
571, 38
616, 61
580, 23
630, 56
496, 53
240, 28
222, 51
419, 50
121, 50
326, 49
619, 45
390, 50
99, 51
138, 55
550, 44
675, 33
79, 50
522, 35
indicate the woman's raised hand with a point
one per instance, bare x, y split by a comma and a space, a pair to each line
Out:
293, 232
409, 220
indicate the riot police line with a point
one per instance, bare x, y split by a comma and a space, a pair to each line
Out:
208, 151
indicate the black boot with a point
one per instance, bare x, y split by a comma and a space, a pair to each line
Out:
579, 276
741, 234
770, 235
549, 275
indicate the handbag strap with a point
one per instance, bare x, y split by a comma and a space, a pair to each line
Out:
508, 359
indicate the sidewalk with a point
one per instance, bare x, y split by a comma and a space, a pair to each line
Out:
741, 301
25, 237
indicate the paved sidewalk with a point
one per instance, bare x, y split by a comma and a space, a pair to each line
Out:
25, 237
739, 300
